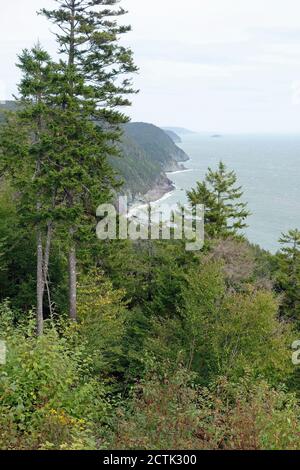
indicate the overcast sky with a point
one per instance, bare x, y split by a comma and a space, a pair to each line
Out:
209, 65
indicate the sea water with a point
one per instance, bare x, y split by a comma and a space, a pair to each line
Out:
268, 169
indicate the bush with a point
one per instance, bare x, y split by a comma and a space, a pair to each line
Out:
49, 397
248, 415
162, 415
169, 412
224, 332
102, 316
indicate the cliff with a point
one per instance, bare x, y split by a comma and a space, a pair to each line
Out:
147, 153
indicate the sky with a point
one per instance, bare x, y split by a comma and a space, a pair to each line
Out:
225, 66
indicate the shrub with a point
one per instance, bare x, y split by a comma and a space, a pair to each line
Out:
169, 412
247, 415
49, 397
221, 332
102, 316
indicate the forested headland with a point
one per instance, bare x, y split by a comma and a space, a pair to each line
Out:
122, 344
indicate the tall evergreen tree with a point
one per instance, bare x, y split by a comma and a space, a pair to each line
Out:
225, 213
288, 274
24, 143
91, 89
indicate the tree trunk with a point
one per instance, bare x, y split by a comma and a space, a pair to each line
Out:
39, 286
72, 250
47, 253
72, 283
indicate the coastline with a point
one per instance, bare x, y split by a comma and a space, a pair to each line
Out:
179, 171
182, 169
162, 189
160, 192
164, 186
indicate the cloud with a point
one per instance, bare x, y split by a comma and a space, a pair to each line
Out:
276, 35
221, 64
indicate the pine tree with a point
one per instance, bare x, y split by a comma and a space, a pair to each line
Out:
24, 155
224, 212
90, 91
288, 274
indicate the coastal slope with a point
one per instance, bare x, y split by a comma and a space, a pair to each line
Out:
157, 144
147, 153
175, 137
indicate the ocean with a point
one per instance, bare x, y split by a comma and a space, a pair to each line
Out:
267, 167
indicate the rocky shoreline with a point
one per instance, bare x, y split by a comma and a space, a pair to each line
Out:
161, 187
159, 190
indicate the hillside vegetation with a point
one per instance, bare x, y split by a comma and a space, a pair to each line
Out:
157, 144
176, 139
129, 342
146, 153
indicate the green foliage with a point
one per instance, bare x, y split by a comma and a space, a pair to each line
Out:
251, 336
169, 412
288, 274
172, 349
150, 272
176, 139
248, 415
157, 145
49, 396
17, 260
224, 212
102, 315
56, 146
146, 152
221, 332
135, 167
156, 310
162, 415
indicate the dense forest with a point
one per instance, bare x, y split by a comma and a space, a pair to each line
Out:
122, 344
146, 154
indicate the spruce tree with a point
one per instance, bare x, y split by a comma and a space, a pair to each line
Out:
288, 274
225, 213
24, 143
92, 87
